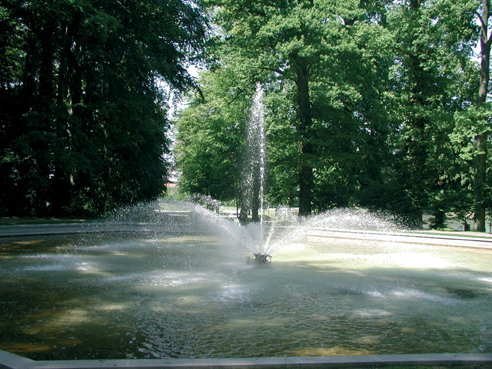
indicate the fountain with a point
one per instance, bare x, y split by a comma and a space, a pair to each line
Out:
169, 281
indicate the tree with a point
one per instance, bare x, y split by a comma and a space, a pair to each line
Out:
433, 47
419, 99
466, 179
484, 13
352, 123
210, 135
296, 41
83, 109
368, 103
282, 144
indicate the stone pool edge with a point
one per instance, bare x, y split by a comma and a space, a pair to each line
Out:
12, 361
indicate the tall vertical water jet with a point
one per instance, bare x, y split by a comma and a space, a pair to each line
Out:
254, 166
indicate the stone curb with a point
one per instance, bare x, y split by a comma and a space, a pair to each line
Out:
71, 228
94, 227
11, 361
403, 237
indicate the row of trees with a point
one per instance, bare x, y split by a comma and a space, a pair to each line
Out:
381, 104
83, 94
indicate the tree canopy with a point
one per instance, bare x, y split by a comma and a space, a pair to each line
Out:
369, 104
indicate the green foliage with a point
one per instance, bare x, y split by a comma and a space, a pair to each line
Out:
282, 145
209, 138
369, 103
83, 112
433, 80
330, 63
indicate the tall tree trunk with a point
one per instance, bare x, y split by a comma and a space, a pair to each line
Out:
60, 183
420, 91
306, 179
43, 122
481, 139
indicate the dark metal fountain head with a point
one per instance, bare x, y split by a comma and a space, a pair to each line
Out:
260, 259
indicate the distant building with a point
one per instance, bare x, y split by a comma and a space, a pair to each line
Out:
172, 179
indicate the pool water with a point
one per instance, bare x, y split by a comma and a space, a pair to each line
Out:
174, 296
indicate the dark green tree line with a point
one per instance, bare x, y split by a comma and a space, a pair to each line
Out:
431, 63
83, 110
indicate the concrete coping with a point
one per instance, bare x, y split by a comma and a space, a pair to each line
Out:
11, 361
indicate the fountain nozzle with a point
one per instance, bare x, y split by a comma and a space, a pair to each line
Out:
260, 258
